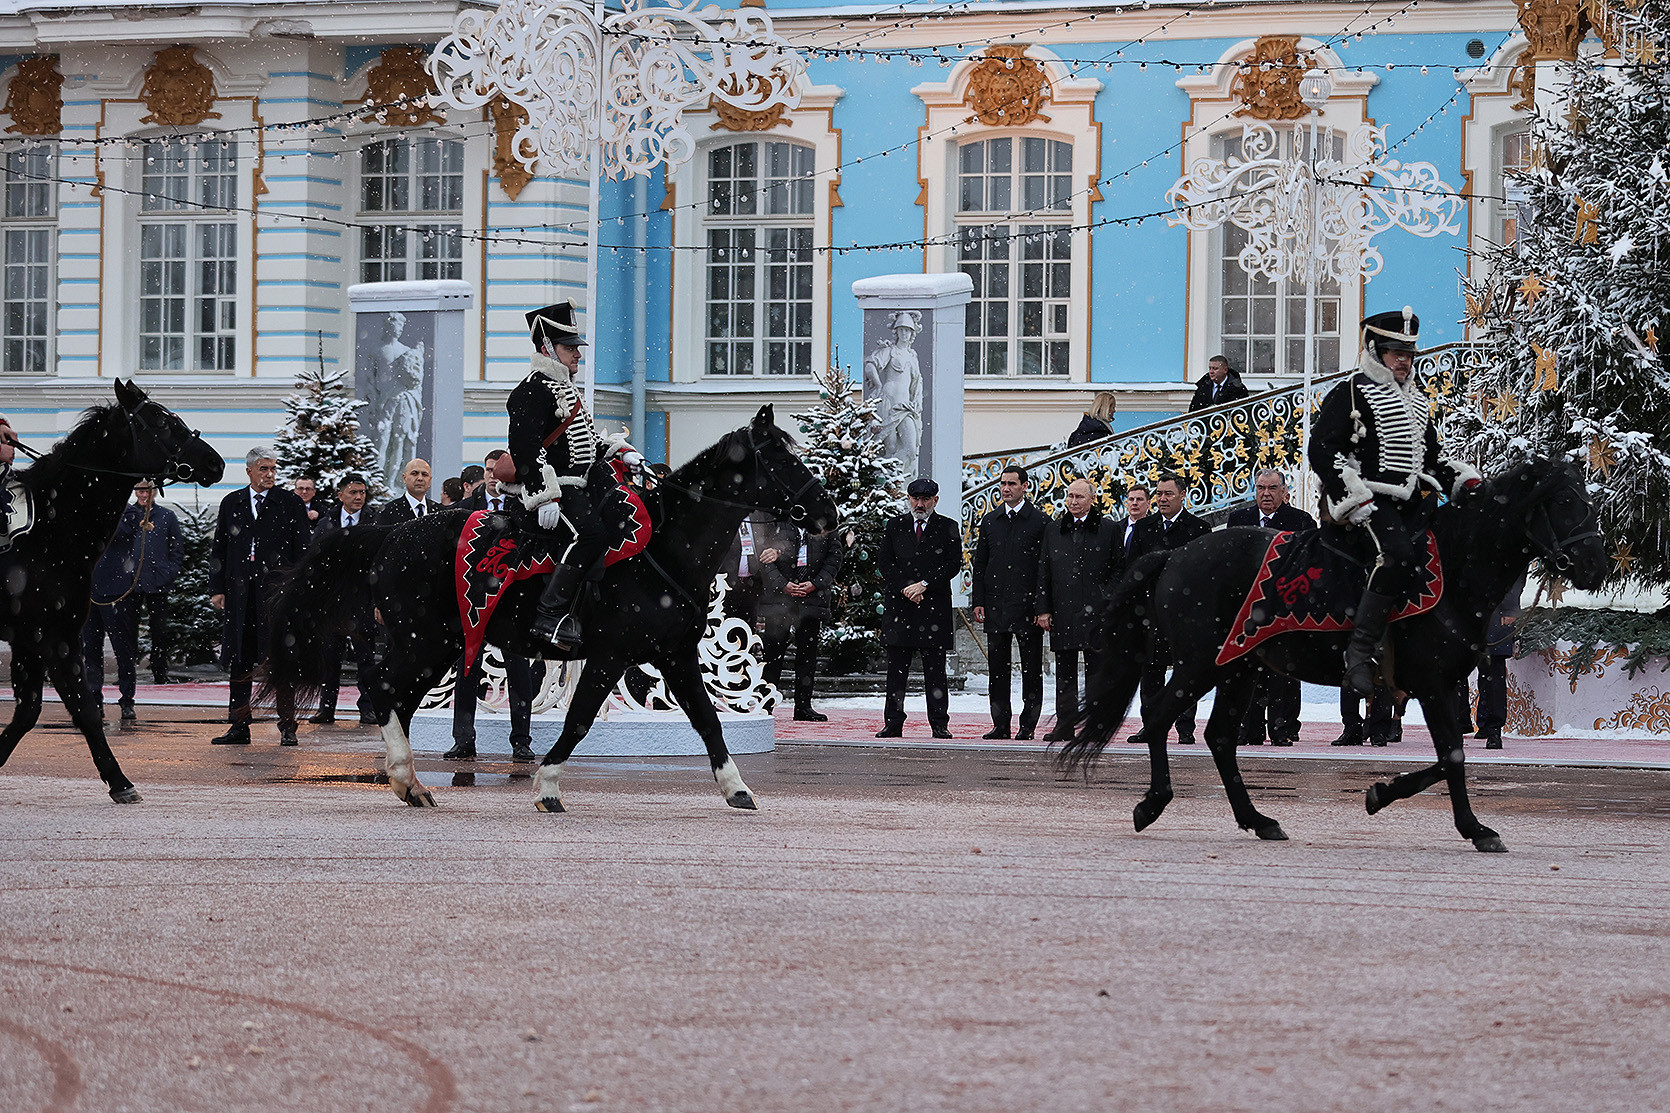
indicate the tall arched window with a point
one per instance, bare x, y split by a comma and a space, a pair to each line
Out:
411, 209
188, 256
30, 221
1513, 159
758, 230
1014, 240
1261, 323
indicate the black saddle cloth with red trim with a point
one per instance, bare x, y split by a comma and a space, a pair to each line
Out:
498, 550
1312, 581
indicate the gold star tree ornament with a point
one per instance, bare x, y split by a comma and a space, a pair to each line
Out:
1623, 559
1603, 456
1505, 404
1531, 289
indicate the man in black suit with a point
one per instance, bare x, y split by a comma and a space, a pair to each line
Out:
349, 512
1275, 698
1169, 527
921, 553
1220, 384
260, 531
797, 577
1138, 502
1077, 565
414, 502
319, 503
518, 671
1005, 598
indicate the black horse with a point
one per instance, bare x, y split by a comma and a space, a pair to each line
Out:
652, 608
1191, 596
79, 490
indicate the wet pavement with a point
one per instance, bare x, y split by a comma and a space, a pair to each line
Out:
895, 929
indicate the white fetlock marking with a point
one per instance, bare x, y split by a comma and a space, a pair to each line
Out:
730, 781
397, 760
545, 783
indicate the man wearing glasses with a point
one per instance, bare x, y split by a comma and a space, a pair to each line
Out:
134, 574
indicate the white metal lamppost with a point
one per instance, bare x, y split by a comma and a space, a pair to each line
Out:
1309, 215
605, 90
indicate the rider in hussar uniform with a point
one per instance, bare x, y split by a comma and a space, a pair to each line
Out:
1375, 448
554, 443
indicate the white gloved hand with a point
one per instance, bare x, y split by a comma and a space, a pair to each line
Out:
550, 515
617, 444
1361, 514
632, 458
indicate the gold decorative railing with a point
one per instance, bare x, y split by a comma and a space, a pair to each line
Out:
1216, 451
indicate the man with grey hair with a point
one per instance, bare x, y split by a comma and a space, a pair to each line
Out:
259, 531
1275, 709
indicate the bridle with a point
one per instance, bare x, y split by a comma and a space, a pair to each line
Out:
173, 469
797, 509
1545, 541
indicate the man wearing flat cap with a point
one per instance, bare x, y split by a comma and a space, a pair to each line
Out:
921, 553
1374, 447
554, 443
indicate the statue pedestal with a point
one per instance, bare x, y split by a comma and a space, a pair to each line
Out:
622, 734
408, 367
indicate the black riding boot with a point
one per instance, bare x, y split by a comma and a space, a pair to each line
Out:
555, 624
1361, 652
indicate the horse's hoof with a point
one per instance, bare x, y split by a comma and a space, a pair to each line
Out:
1271, 832
743, 801
551, 804
420, 798
1371, 798
1148, 809
128, 795
1490, 844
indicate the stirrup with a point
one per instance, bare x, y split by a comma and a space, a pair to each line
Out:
561, 632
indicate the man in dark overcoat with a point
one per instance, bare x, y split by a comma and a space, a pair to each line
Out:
1168, 527
1221, 383
741, 567
921, 553
349, 512
414, 502
797, 575
1275, 708
136, 571
1005, 598
260, 531
1076, 568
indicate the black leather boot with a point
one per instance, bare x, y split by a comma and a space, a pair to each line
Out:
1363, 650
555, 624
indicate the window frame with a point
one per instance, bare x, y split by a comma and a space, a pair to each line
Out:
415, 224
29, 224
947, 129
811, 124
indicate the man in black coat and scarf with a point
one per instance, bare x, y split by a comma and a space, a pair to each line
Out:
797, 573
1005, 598
260, 531
1169, 527
1076, 569
921, 553
1275, 708
1221, 383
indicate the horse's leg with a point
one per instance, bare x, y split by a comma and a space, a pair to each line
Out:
1444, 720
1223, 729
28, 677
63, 665
1401, 787
597, 679
684, 680
404, 683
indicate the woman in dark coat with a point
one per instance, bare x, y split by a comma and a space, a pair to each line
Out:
1097, 422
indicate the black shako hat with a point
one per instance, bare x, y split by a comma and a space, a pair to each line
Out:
1393, 331
922, 489
554, 325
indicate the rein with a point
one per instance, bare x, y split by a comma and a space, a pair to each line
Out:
170, 465
797, 512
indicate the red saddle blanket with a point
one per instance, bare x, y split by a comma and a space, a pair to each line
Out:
496, 551
1305, 585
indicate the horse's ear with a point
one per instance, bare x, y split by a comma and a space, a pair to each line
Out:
766, 418
127, 394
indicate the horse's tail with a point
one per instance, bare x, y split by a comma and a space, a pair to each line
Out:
314, 603
1113, 683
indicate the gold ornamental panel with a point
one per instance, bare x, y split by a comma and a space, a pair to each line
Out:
1006, 88
401, 80
1554, 28
178, 90
1268, 81
35, 100
507, 117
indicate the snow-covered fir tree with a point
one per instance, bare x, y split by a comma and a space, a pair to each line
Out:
322, 437
840, 444
1575, 312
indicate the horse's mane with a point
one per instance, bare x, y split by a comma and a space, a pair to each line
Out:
701, 465
49, 470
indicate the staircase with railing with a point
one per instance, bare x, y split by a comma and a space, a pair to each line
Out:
1216, 451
